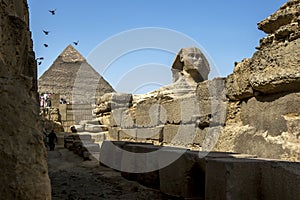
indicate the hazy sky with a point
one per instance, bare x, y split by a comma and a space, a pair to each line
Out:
225, 30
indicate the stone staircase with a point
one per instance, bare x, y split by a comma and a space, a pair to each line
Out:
88, 139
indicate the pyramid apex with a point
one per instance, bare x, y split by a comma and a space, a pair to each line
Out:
70, 54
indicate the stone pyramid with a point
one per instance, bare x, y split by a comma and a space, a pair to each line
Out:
73, 78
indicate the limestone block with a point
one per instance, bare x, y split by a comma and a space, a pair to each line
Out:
200, 136
149, 133
79, 128
127, 120
231, 177
172, 111
116, 117
211, 112
95, 128
212, 103
94, 122
182, 135
127, 134
276, 68
85, 137
179, 110
280, 180
237, 84
113, 133
214, 88
92, 147
110, 155
88, 137
267, 113
181, 174
147, 113
60, 138
251, 179
141, 166
122, 98
99, 137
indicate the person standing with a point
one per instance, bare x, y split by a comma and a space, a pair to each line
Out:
52, 140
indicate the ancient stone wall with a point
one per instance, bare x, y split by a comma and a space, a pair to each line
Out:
264, 92
255, 110
23, 157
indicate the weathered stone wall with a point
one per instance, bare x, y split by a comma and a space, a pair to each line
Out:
255, 110
23, 157
264, 92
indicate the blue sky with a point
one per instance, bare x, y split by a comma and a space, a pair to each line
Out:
226, 30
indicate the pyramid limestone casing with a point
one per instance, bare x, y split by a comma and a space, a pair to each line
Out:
73, 78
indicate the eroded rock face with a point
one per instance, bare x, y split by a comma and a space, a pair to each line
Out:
274, 67
23, 156
264, 92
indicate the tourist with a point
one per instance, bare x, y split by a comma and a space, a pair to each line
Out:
52, 139
48, 101
42, 101
73, 129
62, 101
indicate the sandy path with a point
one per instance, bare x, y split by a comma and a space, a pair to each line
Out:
72, 178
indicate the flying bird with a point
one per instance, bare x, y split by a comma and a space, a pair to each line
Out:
46, 45
52, 11
39, 63
40, 58
76, 43
46, 32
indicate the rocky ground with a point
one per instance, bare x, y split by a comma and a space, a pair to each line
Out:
72, 178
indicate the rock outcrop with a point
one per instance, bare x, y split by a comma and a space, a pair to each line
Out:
23, 157
264, 90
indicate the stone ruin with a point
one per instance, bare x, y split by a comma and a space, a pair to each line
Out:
255, 110
245, 127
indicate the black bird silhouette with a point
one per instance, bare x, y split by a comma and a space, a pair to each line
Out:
39, 63
76, 43
46, 45
40, 58
52, 11
46, 32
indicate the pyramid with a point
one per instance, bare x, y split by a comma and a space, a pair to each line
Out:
73, 78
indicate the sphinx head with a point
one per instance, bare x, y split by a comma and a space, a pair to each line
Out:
192, 63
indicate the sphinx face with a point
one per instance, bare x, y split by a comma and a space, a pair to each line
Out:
192, 59
194, 63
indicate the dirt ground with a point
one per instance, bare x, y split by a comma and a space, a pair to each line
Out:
73, 178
